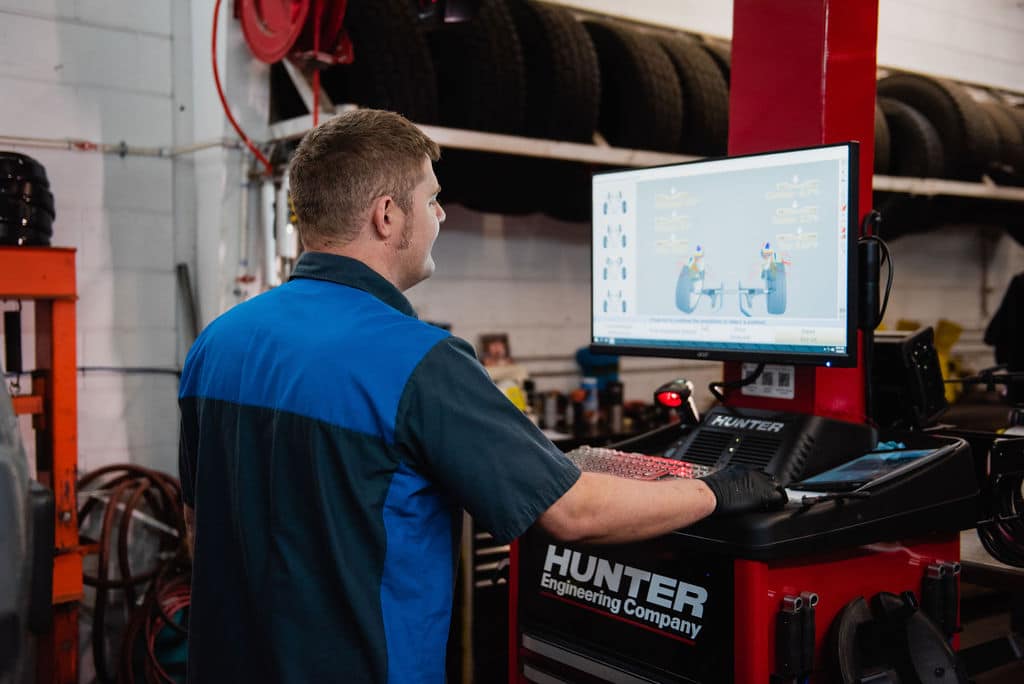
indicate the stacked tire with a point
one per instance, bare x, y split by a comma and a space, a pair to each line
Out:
938, 130
393, 68
26, 204
528, 68
960, 140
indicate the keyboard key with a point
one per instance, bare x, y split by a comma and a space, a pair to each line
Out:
633, 465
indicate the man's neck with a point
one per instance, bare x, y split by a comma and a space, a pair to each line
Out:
371, 256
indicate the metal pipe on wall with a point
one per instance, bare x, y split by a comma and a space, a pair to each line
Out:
267, 199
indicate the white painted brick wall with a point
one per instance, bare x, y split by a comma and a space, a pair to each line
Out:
530, 277
114, 70
102, 71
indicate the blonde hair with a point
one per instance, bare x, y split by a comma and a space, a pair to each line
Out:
347, 162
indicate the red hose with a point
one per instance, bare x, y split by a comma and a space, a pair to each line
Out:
317, 12
224, 102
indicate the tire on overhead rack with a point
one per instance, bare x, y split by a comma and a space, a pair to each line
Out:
1017, 114
563, 77
915, 148
567, 191
967, 135
904, 214
705, 125
480, 72
721, 53
392, 69
1010, 162
641, 102
1017, 233
883, 142
563, 93
481, 84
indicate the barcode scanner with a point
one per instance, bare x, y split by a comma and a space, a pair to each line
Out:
677, 396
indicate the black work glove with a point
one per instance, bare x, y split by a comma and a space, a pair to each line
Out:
740, 489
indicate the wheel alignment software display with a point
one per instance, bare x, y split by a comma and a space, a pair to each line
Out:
745, 257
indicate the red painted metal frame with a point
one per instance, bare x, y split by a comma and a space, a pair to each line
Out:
837, 579
46, 275
803, 73
759, 587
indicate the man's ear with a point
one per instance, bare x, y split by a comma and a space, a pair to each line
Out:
384, 217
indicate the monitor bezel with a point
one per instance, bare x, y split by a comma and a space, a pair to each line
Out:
835, 360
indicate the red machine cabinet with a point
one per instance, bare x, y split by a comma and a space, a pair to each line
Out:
46, 276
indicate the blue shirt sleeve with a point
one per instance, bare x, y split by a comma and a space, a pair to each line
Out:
462, 432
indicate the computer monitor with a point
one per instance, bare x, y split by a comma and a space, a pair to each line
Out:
748, 258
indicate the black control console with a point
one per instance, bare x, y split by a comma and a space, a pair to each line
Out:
789, 446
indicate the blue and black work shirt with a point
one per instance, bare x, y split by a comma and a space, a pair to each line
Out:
329, 442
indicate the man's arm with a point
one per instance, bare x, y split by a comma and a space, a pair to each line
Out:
604, 509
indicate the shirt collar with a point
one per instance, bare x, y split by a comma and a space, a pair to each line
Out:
344, 270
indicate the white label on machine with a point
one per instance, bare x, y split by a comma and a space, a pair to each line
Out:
776, 381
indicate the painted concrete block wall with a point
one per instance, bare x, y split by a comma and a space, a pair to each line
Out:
102, 71
138, 70
529, 277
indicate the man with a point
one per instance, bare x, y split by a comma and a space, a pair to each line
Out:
329, 440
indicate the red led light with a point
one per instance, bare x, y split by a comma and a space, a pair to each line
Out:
670, 399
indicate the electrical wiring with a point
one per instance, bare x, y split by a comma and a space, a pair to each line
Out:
735, 384
886, 259
223, 100
889, 274
317, 12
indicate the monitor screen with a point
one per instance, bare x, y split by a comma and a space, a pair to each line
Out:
748, 257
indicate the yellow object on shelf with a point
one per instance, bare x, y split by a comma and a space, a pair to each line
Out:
947, 333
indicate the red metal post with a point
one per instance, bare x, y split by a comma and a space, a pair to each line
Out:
803, 73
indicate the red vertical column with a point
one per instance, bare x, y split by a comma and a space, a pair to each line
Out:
803, 73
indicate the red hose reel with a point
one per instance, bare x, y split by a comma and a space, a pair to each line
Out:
307, 30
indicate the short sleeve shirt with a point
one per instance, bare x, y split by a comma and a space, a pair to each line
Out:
330, 440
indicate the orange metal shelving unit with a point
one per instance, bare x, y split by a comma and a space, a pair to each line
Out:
46, 276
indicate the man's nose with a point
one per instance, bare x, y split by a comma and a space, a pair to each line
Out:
440, 213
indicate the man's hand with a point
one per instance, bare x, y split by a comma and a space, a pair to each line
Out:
739, 489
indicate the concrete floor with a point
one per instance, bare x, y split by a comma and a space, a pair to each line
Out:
987, 624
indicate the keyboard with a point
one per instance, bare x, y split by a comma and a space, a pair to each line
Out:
633, 466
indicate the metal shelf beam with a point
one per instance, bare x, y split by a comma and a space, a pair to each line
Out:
498, 143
